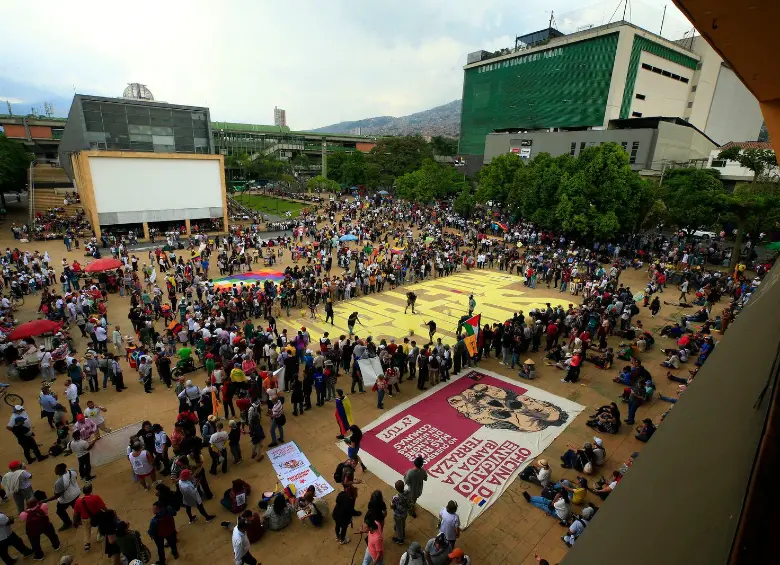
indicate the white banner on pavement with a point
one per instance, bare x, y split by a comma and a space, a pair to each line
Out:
293, 467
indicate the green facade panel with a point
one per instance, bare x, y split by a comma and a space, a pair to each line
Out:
565, 86
644, 44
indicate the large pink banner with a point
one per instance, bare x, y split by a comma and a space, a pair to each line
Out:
475, 433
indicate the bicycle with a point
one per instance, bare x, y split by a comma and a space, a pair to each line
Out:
10, 399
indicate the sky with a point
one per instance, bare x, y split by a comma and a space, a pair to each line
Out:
323, 62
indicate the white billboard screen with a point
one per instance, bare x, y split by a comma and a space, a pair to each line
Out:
138, 189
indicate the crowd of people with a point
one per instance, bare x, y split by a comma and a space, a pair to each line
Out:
232, 331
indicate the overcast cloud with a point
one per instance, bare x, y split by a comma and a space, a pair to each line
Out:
323, 61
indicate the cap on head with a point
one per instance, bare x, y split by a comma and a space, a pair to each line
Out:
456, 553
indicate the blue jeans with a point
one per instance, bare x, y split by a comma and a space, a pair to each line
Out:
632, 406
507, 355
274, 427
380, 396
668, 398
367, 559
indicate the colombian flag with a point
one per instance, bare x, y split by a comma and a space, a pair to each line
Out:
471, 329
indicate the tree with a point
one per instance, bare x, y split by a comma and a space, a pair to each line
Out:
464, 203
748, 202
14, 161
496, 179
692, 197
445, 146
397, 156
321, 184
431, 181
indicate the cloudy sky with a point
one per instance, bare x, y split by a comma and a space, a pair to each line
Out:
324, 62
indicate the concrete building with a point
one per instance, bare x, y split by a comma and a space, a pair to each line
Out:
590, 78
280, 117
140, 164
731, 171
652, 144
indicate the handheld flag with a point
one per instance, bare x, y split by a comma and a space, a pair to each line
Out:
471, 329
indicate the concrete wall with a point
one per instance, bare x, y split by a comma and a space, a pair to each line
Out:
559, 143
734, 114
664, 96
680, 144
617, 84
705, 80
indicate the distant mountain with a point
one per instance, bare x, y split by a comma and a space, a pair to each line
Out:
441, 120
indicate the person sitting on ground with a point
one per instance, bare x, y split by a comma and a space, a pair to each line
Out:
578, 526
559, 507
672, 362
599, 453
626, 352
528, 370
603, 361
312, 508
279, 514
606, 419
539, 473
577, 490
624, 377
604, 488
236, 497
646, 430
576, 458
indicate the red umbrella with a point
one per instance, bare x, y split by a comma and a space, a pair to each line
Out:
105, 264
34, 328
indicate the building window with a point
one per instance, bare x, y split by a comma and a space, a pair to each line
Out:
694, 87
683, 79
634, 149
698, 66
640, 96
636, 114
647, 67
690, 104
582, 146
624, 145
573, 149
719, 163
657, 70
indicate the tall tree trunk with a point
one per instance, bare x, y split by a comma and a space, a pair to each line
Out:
737, 245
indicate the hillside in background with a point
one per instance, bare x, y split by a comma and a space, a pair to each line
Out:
441, 120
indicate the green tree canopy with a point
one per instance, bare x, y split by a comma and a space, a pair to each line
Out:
496, 179
397, 156
446, 146
321, 184
432, 181
14, 161
693, 197
464, 203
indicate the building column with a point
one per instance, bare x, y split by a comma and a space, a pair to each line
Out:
146, 231
187, 226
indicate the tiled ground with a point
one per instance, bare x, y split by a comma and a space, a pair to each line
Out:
510, 532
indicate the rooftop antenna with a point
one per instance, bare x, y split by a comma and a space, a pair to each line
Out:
10, 110
552, 19
663, 17
48, 109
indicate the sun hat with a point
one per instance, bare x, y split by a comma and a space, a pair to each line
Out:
542, 462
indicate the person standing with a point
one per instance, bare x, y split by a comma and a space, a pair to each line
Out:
375, 552
72, 394
142, 463
8, 538
37, 524
48, 403
66, 492
80, 448
240, 541
91, 371
351, 321
329, 311
343, 413
94, 414
217, 449
162, 529
278, 419
191, 497
16, 482
101, 336
472, 305
449, 523
415, 479
400, 505
47, 366
88, 508
26, 438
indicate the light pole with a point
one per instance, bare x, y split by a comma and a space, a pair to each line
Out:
30, 193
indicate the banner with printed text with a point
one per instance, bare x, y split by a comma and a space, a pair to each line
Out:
476, 433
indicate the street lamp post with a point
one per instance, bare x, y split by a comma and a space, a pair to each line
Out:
31, 193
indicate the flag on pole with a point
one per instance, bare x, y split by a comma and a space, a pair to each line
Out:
471, 329
216, 406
